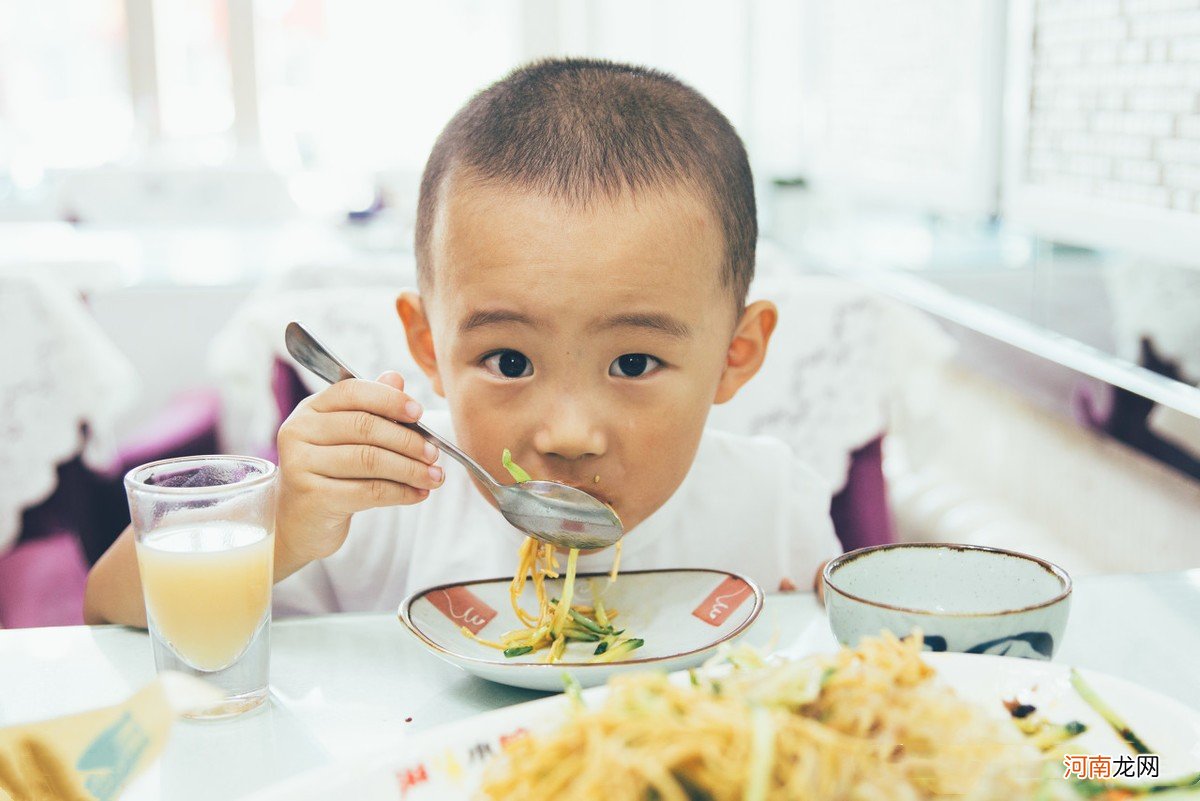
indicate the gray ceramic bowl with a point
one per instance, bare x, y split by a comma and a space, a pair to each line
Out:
964, 598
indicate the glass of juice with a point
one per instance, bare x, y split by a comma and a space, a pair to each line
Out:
205, 533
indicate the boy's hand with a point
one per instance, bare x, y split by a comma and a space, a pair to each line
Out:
341, 452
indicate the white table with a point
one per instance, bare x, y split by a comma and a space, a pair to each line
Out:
345, 684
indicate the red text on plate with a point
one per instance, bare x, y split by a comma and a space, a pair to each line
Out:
410, 778
723, 601
463, 607
516, 734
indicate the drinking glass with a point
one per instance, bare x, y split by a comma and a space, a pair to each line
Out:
204, 528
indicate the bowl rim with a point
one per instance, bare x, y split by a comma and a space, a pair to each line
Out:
404, 613
833, 565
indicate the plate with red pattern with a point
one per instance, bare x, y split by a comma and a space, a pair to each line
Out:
681, 617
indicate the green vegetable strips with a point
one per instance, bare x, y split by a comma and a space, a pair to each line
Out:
561, 621
519, 475
1111, 717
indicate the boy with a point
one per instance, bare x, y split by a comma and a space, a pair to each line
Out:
585, 239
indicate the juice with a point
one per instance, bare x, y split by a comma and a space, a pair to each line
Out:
207, 588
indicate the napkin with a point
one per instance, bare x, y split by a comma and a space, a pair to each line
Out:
92, 756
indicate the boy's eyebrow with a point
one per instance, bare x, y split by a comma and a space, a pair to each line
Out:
663, 323
484, 317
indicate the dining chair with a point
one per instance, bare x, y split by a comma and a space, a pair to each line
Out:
63, 393
842, 361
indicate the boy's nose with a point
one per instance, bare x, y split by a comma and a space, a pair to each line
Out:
569, 432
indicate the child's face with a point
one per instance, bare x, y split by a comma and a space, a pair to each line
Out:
591, 342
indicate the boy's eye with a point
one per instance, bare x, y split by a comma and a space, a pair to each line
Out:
509, 363
633, 365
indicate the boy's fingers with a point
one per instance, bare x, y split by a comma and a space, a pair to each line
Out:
392, 379
349, 428
371, 462
372, 493
355, 394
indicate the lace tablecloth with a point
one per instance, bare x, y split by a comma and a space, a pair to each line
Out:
840, 358
61, 375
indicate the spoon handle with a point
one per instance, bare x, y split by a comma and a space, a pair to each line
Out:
452, 449
313, 354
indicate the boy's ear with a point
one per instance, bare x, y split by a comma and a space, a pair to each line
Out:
420, 337
748, 348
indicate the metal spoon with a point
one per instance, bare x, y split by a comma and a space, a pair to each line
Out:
555, 513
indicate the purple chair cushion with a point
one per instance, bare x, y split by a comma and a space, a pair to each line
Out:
78, 505
42, 582
288, 390
43, 578
186, 427
860, 512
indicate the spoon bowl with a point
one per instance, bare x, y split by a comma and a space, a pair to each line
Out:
559, 514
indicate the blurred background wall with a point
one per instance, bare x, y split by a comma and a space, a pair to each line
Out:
1025, 171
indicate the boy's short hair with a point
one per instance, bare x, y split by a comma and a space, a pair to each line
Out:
577, 128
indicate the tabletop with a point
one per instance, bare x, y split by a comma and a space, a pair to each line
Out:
346, 684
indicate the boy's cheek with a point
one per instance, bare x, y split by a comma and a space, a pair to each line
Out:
481, 431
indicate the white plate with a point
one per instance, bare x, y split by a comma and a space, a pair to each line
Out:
683, 615
446, 763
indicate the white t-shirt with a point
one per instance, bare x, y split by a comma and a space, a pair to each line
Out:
747, 505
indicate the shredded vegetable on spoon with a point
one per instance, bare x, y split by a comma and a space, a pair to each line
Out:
558, 620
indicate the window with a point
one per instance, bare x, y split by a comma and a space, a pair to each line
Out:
192, 52
64, 98
360, 84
